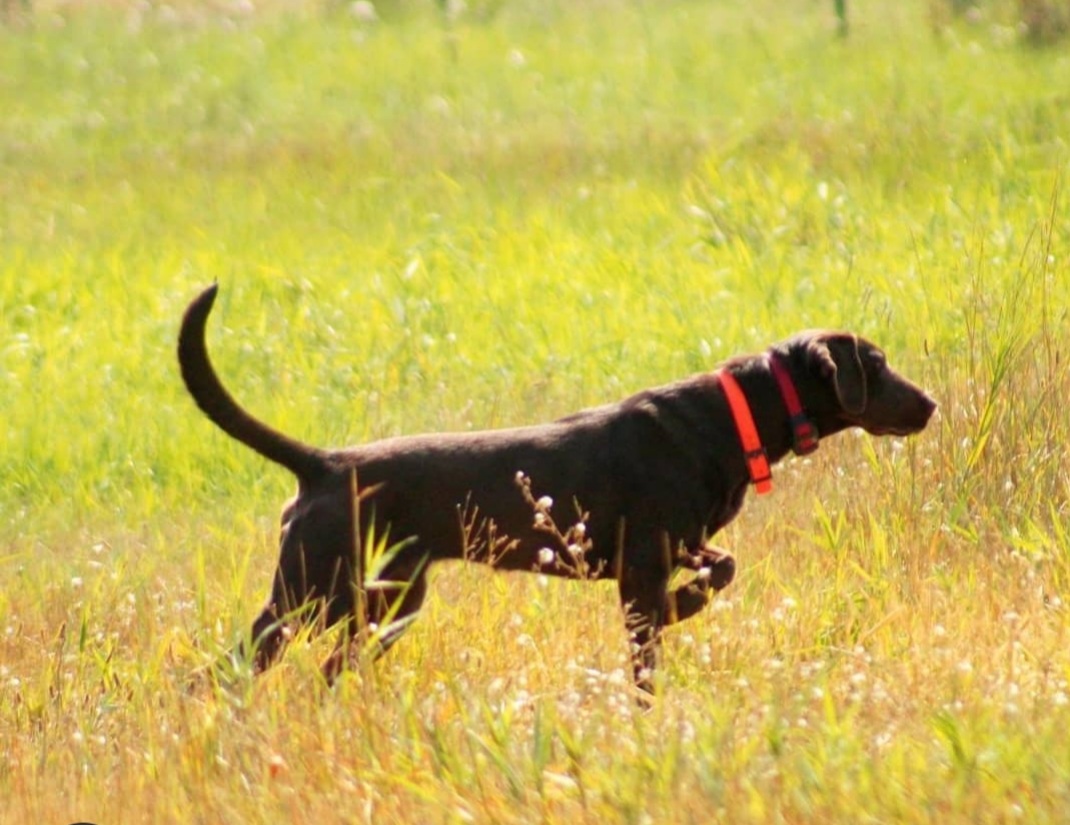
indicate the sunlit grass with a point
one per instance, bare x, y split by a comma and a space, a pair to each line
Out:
447, 221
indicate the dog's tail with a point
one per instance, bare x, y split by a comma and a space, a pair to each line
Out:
306, 462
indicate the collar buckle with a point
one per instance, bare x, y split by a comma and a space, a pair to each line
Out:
761, 474
804, 434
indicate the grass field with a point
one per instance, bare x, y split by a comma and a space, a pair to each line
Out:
450, 218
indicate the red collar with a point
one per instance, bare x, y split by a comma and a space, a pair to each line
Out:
761, 475
804, 433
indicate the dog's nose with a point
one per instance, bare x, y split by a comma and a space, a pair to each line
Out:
925, 407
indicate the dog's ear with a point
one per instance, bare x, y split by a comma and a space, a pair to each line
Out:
837, 360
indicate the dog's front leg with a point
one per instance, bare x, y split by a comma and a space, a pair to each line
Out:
715, 570
642, 596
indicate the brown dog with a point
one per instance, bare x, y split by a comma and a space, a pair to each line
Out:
656, 475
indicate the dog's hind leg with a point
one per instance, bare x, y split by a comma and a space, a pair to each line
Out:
270, 635
390, 607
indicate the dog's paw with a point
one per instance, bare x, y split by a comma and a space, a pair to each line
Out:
716, 567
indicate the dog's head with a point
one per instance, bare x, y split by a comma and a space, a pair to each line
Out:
845, 381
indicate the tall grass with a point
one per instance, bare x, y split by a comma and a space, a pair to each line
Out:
448, 219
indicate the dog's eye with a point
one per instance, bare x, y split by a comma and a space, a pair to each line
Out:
879, 360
